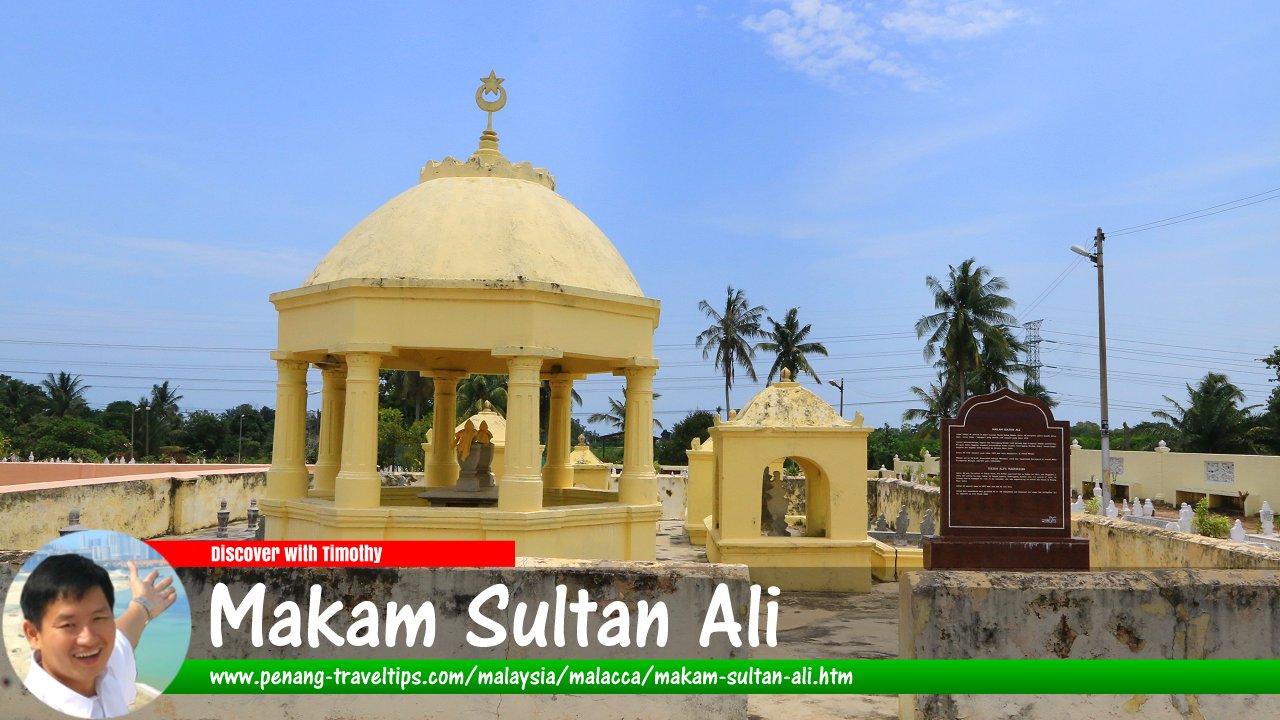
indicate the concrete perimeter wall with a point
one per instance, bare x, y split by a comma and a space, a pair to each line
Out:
142, 507
684, 588
1113, 544
1170, 614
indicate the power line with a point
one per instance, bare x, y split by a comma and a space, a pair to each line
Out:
1196, 214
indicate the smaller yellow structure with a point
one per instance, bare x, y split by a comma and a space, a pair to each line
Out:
588, 470
834, 553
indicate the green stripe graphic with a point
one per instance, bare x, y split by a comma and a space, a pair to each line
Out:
978, 677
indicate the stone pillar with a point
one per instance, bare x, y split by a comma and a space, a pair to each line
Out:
358, 484
287, 478
520, 487
558, 472
442, 466
638, 485
333, 401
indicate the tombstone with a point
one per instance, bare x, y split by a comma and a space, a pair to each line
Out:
1097, 490
1172, 526
73, 523
1184, 518
1005, 473
882, 525
900, 527
31, 457
1148, 510
927, 523
1124, 507
252, 515
1078, 506
773, 506
1112, 512
261, 534
224, 517
1237, 531
1267, 516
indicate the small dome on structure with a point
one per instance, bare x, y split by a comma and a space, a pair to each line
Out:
787, 404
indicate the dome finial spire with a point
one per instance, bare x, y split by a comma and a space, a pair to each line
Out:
491, 85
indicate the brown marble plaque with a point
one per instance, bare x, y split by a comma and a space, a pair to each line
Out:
1005, 499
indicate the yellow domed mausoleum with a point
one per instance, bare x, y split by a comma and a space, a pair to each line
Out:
479, 268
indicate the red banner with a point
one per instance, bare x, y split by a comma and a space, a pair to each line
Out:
337, 553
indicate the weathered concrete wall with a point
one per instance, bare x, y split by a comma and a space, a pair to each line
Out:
685, 589
1162, 474
1171, 614
672, 490
1118, 545
143, 508
887, 496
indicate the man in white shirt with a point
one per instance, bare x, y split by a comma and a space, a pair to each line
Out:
82, 656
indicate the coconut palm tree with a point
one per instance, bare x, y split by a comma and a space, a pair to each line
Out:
1035, 389
65, 392
939, 402
474, 391
998, 360
787, 339
616, 416
1213, 421
730, 336
970, 307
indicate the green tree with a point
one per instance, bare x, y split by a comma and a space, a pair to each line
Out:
66, 436
203, 434
249, 438
970, 308
787, 341
730, 336
616, 416
406, 390
997, 361
475, 391
20, 402
671, 449
1037, 390
66, 394
938, 402
396, 445
1213, 421
164, 416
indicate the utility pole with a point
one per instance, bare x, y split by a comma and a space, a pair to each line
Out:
1096, 257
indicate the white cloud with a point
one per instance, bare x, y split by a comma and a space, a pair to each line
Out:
828, 39
922, 20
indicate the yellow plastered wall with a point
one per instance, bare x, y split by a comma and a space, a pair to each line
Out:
833, 461
1163, 474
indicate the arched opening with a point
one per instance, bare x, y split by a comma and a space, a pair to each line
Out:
794, 500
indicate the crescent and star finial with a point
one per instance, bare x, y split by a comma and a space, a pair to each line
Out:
491, 85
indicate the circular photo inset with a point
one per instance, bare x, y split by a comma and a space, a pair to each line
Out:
96, 624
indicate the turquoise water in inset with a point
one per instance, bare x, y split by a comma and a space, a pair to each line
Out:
164, 642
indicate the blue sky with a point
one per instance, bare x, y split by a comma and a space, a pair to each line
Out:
167, 166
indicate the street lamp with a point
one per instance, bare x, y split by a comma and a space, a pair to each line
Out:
240, 440
1096, 258
147, 450
840, 386
133, 416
